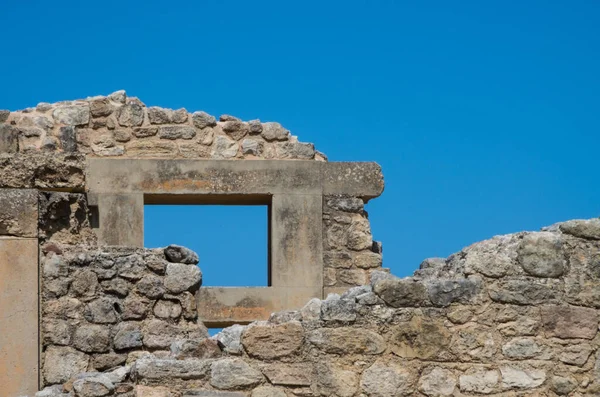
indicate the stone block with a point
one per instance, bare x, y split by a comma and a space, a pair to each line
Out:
19, 212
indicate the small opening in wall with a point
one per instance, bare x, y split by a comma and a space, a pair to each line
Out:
232, 241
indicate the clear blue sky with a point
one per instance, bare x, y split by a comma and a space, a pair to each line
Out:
485, 116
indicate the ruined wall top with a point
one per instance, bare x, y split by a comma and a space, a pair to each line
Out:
118, 125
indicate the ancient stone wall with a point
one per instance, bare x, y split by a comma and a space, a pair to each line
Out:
516, 315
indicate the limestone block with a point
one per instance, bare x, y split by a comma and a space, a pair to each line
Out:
19, 212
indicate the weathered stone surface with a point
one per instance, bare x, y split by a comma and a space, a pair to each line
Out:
72, 114
420, 338
203, 119
9, 139
181, 277
178, 254
273, 341
101, 107
101, 311
576, 354
336, 309
233, 373
300, 374
94, 386
144, 132
151, 286
582, 228
41, 170
268, 391
144, 148
235, 129
473, 343
252, 146
569, 322
295, 150
479, 381
334, 380
224, 148
563, 385
347, 340
167, 309
402, 292
4, 115
127, 336
131, 115
274, 132
388, 378
445, 292
160, 334
522, 348
231, 339
62, 363
176, 132
438, 382
154, 391
541, 255
152, 368
522, 292
196, 348
92, 338
103, 362
19, 212
521, 378
56, 332
85, 283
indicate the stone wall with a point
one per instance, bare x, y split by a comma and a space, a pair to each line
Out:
516, 315
121, 126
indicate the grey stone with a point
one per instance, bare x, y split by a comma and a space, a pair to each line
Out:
151, 286
235, 129
9, 139
85, 283
181, 277
333, 380
295, 150
116, 286
157, 115
167, 309
268, 391
336, 309
164, 369
254, 127
438, 382
92, 338
284, 316
252, 146
224, 148
52, 391
233, 373
402, 292
178, 254
522, 292
55, 266
444, 292
101, 107
95, 386
203, 119
196, 348
131, 115
144, 132
563, 385
4, 115
68, 140
521, 348
228, 117
128, 335
576, 354
118, 96
62, 363
346, 340
72, 114
312, 310
56, 332
541, 254
231, 339
134, 308
106, 361
521, 378
101, 311
274, 132
213, 393
130, 267
119, 375
176, 132
49, 143
359, 234
480, 381
346, 204
582, 228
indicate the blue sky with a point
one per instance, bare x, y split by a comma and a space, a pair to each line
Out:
484, 115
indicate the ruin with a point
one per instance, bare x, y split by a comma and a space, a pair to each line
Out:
87, 311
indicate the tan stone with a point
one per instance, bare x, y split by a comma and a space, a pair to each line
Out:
347, 340
273, 341
420, 338
570, 322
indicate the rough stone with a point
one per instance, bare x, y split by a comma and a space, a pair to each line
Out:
167, 309
235, 129
273, 341
582, 228
541, 255
445, 292
101, 311
268, 391
72, 114
347, 340
522, 348
522, 292
9, 139
144, 132
336, 309
196, 348
95, 386
62, 363
420, 338
388, 378
85, 283
518, 378
252, 146
289, 374
569, 322
152, 368
334, 380
176, 132
203, 119
127, 336
401, 292
130, 115
274, 132
563, 385
231, 339
233, 373
224, 147
576, 354
151, 286
92, 338
178, 254
438, 382
479, 381
181, 277
68, 139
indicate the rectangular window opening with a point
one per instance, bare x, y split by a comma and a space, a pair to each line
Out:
232, 241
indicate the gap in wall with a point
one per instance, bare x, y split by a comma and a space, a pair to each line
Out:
231, 240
